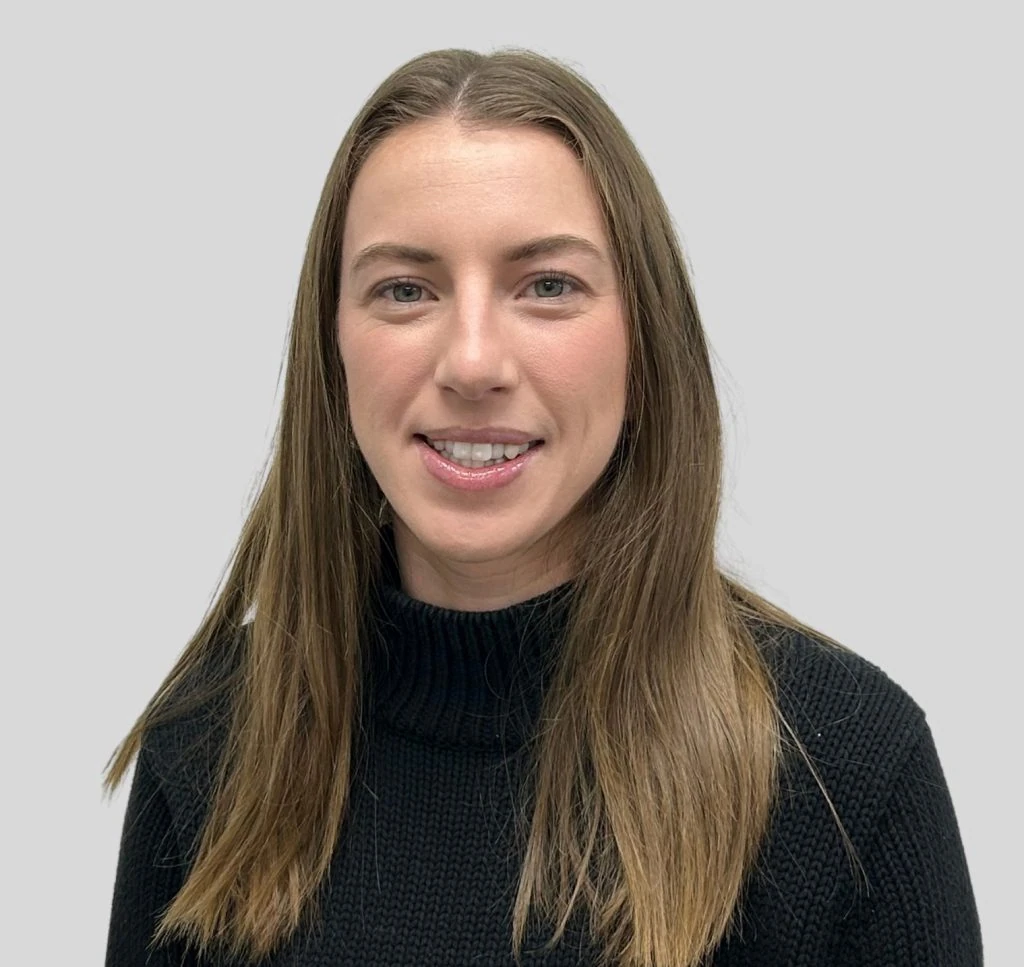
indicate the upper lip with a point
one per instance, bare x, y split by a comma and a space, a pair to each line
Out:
484, 434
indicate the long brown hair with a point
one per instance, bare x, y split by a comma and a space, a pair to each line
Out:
662, 709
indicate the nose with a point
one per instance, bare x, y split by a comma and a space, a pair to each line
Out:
475, 352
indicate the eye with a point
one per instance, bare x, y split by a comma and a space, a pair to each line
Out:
402, 291
552, 285
406, 292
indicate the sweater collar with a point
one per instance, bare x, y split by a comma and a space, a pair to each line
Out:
467, 678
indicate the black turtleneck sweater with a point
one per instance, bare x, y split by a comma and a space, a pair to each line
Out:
426, 868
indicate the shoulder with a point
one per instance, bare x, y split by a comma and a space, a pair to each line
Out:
858, 727
832, 693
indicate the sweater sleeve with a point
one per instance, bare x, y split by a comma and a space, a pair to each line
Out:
918, 909
149, 874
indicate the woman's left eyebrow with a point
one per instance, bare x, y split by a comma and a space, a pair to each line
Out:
520, 252
553, 245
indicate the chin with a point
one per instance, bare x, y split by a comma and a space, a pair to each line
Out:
470, 541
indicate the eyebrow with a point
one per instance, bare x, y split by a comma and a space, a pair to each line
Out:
546, 245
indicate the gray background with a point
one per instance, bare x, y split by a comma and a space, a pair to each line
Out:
846, 182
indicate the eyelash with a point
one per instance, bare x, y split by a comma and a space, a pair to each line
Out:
552, 275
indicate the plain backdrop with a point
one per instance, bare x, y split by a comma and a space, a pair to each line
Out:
845, 179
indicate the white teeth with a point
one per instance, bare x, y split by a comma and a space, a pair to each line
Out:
478, 454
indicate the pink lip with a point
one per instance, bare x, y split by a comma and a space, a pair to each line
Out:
473, 478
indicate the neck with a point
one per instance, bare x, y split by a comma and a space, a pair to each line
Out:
461, 677
468, 580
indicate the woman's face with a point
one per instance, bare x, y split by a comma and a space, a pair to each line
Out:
479, 297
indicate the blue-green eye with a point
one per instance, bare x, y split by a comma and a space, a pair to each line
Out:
405, 291
548, 287
553, 285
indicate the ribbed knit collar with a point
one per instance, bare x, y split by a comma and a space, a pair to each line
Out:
468, 678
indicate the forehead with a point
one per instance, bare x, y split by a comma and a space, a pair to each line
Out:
470, 184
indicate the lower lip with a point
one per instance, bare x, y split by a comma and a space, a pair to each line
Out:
474, 478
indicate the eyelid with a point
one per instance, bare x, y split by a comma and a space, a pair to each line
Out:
378, 291
559, 276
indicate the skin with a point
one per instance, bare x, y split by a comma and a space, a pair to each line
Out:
472, 339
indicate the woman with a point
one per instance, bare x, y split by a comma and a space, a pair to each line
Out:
497, 700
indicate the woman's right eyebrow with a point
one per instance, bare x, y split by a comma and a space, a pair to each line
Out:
520, 252
392, 252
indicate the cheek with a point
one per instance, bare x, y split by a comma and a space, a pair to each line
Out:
591, 367
358, 361
613, 359
382, 375
582, 381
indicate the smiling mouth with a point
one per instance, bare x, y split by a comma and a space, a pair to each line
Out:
476, 456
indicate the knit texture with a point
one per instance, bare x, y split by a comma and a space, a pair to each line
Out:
426, 866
